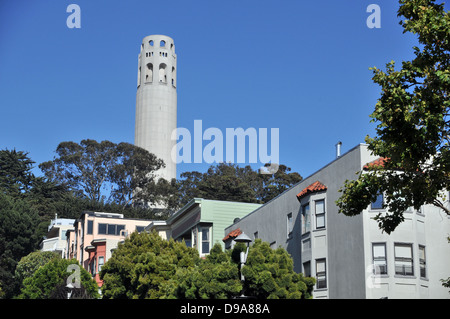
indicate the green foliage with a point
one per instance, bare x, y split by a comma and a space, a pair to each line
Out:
15, 172
269, 274
28, 264
48, 278
89, 168
413, 131
226, 181
17, 238
215, 277
144, 267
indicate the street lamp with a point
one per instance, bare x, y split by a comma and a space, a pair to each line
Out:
70, 287
243, 238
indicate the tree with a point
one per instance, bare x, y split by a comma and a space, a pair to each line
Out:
122, 170
413, 131
269, 274
15, 172
276, 183
215, 277
143, 267
18, 238
146, 266
227, 181
28, 264
50, 280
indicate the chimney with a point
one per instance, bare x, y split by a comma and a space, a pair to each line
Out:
338, 149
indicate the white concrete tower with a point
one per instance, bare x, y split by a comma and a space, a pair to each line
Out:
156, 100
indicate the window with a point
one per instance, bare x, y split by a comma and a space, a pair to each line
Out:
205, 240
379, 259
174, 74
120, 229
306, 244
162, 73
149, 73
139, 76
255, 235
403, 259
92, 266
140, 228
289, 224
150, 42
306, 222
110, 229
378, 203
320, 214
102, 229
101, 262
307, 269
422, 262
90, 227
321, 274
162, 43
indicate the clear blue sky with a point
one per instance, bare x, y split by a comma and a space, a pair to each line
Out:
300, 66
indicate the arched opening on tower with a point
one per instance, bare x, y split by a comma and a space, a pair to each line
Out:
162, 43
139, 77
174, 77
162, 73
149, 73
150, 42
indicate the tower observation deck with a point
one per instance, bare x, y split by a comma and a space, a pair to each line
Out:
156, 100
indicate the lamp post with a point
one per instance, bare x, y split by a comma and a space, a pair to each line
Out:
243, 238
70, 287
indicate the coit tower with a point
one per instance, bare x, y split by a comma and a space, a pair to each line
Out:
156, 100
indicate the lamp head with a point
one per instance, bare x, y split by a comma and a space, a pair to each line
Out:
243, 238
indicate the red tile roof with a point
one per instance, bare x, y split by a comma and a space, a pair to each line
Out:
232, 234
314, 187
378, 162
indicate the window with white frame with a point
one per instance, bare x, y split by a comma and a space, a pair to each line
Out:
403, 259
422, 262
101, 262
321, 273
205, 236
379, 258
320, 213
306, 219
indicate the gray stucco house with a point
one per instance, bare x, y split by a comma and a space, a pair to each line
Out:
349, 256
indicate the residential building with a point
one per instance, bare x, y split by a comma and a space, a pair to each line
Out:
96, 235
56, 236
350, 257
201, 222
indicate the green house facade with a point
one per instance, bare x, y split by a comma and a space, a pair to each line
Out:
201, 223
